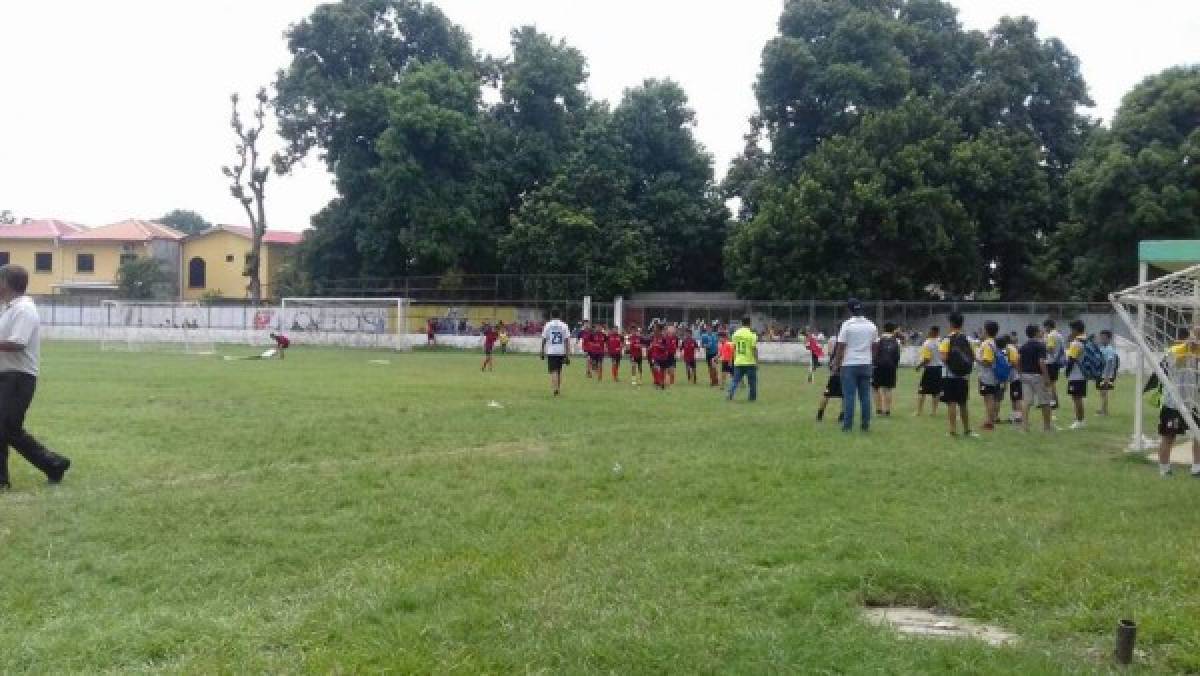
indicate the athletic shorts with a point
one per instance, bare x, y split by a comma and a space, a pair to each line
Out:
616, 358
710, 356
833, 388
554, 362
996, 391
1077, 388
954, 390
931, 381
487, 349
726, 367
690, 363
636, 360
1015, 391
1105, 385
1054, 370
1034, 390
1171, 422
596, 359
663, 364
670, 363
884, 377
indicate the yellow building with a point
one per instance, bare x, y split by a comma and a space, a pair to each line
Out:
66, 258
214, 261
35, 245
91, 258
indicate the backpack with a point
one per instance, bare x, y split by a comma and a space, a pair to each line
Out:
889, 352
1092, 363
961, 358
1002, 368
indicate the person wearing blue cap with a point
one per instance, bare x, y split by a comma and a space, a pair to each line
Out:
856, 344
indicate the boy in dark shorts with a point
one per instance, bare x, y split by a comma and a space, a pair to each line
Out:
659, 357
931, 371
1076, 379
672, 349
616, 345
594, 344
635, 355
688, 349
1182, 358
725, 354
489, 343
887, 364
955, 350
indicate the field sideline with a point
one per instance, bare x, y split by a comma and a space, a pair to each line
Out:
325, 513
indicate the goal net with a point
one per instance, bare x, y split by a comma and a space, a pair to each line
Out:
346, 322
142, 326
1163, 317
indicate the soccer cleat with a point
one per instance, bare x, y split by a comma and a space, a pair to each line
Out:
55, 475
820, 414
1078, 425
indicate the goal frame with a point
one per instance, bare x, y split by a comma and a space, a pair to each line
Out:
153, 332
288, 304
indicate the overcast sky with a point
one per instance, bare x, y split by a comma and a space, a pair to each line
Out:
119, 109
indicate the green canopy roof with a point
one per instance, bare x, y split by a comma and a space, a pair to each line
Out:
1170, 254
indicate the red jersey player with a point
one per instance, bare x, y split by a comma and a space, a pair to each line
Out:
616, 345
593, 344
660, 357
688, 346
281, 343
635, 354
489, 343
672, 350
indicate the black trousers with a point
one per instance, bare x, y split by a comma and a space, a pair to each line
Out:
16, 394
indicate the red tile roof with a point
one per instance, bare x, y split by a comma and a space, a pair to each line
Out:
270, 237
127, 231
40, 229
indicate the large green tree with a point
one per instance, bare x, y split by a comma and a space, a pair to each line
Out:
672, 188
1003, 105
1138, 180
185, 221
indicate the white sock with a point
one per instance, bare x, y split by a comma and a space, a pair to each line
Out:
1164, 467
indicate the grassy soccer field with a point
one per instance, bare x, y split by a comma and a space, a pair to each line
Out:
326, 513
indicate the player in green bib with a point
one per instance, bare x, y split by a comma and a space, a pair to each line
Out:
745, 359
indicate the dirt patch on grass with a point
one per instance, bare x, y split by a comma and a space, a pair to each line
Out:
526, 447
924, 623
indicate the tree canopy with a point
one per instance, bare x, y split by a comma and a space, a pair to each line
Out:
446, 161
907, 156
185, 221
894, 154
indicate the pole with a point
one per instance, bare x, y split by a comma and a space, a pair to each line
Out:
1138, 400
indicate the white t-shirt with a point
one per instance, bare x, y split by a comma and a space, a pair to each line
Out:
19, 324
556, 334
858, 335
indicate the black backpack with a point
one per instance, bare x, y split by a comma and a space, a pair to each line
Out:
961, 359
889, 353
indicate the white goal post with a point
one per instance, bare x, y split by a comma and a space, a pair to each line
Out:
1160, 314
347, 322
149, 326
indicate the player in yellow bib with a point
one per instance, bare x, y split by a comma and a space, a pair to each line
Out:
745, 359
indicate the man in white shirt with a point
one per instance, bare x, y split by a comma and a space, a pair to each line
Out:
19, 355
556, 348
856, 343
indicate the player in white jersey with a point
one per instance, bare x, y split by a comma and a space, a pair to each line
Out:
556, 348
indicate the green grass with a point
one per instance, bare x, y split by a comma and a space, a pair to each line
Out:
328, 514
